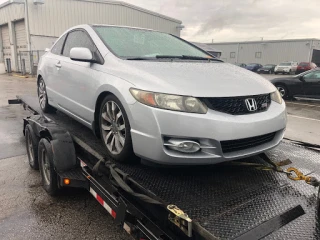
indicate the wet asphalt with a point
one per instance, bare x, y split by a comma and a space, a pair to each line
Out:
27, 212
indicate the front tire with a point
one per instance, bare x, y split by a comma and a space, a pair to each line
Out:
43, 98
115, 130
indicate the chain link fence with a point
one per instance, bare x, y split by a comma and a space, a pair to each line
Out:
28, 61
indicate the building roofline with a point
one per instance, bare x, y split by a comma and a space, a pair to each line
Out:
133, 7
266, 41
110, 2
8, 2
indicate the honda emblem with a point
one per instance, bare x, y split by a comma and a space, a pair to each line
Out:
251, 104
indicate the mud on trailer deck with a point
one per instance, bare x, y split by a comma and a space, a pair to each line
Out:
224, 201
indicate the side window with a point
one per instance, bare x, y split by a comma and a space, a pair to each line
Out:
79, 39
57, 48
312, 75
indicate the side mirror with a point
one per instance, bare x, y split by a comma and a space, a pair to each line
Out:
81, 55
301, 79
47, 50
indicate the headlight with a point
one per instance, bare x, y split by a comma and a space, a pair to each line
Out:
276, 96
169, 102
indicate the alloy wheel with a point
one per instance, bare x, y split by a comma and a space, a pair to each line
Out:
42, 94
113, 127
281, 90
45, 165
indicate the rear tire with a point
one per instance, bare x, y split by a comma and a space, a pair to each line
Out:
115, 130
43, 97
48, 174
32, 142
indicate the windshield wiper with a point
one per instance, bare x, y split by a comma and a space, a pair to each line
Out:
139, 58
188, 57
200, 58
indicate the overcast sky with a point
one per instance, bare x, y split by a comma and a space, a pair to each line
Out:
240, 20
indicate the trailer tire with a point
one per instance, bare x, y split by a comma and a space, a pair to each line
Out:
49, 176
32, 141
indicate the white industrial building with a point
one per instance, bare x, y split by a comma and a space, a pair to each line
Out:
270, 52
27, 25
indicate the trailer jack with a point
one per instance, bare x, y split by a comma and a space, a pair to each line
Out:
180, 219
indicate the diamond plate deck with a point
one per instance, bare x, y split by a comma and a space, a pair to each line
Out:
229, 201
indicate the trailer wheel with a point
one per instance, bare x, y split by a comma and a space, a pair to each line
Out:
48, 174
32, 147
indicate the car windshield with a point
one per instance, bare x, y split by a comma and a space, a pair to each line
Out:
140, 43
285, 64
303, 64
268, 66
251, 65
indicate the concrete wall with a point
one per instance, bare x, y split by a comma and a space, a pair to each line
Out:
272, 52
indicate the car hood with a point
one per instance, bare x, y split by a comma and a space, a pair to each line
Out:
194, 78
283, 79
266, 68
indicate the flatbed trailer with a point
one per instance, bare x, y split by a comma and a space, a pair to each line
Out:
237, 200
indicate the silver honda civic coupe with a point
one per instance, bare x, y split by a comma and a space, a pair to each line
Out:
159, 97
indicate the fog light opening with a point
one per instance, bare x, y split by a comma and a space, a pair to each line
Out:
185, 146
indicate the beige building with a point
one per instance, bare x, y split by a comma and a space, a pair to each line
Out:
27, 25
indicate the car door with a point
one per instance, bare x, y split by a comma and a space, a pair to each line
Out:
311, 83
79, 79
51, 70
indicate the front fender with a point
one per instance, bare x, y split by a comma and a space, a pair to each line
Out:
120, 88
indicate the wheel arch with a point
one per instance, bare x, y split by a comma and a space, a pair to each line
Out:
111, 90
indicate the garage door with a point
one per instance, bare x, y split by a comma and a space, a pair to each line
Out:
6, 51
21, 42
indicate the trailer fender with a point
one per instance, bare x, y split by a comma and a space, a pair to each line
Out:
64, 154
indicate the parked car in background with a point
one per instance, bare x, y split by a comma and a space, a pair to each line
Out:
305, 66
304, 85
268, 68
243, 65
286, 68
159, 97
253, 67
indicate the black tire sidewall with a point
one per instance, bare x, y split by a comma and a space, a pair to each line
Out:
35, 142
51, 188
285, 89
127, 154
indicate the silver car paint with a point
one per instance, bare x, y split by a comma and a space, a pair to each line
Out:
75, 87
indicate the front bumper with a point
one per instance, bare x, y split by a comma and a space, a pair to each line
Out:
282, 70
151, 126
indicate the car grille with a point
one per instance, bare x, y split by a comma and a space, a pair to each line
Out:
245, 143
237, 105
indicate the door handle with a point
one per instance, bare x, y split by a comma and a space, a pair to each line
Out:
58, 65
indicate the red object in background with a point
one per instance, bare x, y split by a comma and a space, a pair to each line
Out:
305, 66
